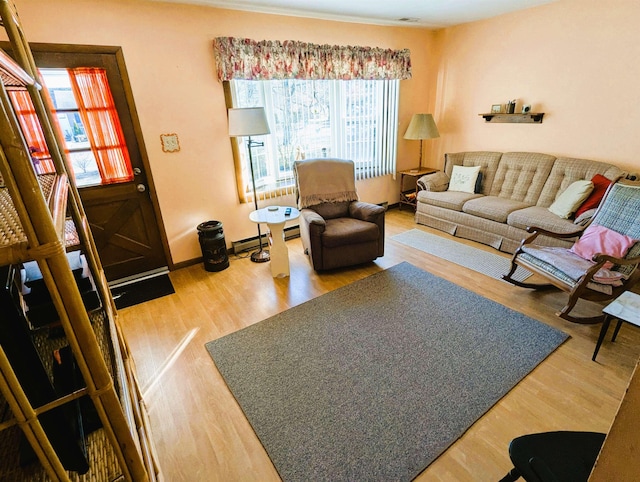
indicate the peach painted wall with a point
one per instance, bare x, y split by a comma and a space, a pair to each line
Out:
575, 60
169, 58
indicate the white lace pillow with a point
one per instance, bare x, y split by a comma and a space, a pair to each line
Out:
463, 178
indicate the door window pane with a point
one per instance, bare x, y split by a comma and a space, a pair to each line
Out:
81, 157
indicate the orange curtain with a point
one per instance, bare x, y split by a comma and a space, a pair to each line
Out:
98, 112
32, 132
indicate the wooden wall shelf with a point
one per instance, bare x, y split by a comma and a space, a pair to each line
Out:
530, 118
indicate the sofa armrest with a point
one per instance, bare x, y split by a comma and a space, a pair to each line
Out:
365, 211
437, 181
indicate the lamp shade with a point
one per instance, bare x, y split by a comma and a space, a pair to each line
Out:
248, 121
422, 126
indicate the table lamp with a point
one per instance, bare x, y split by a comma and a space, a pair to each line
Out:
422, 126
247, 122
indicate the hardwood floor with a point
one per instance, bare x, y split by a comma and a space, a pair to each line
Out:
202, 435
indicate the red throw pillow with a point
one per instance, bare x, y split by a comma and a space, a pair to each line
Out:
600, 186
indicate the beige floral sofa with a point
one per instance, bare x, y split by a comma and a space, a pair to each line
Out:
515, 191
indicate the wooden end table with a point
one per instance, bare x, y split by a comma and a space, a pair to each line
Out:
409, 194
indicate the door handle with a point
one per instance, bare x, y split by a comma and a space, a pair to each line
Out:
141, 188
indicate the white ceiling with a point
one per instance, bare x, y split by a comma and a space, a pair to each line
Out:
419, 13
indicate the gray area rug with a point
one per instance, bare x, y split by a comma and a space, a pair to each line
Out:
476, 259
374, 380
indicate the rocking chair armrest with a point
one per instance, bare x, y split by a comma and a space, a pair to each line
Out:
553, 234
535, 232
619, 261
600, 260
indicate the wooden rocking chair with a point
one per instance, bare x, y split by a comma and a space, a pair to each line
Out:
595, 279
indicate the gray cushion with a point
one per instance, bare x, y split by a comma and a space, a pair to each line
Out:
540, 217
491, 207
448, 199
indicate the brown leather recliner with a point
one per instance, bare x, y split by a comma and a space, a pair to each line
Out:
337, 230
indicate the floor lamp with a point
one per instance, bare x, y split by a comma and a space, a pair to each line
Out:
247, 122
422, 126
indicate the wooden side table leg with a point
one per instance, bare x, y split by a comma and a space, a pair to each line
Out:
603, 332
615, 332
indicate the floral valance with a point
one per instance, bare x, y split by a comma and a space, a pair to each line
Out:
240, 58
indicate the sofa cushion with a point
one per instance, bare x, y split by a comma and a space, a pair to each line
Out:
539, 217
568, 170
521, 176
453, 200
568, 202
491, 207
343, 231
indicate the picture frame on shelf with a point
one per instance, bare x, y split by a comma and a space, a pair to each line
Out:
496, 109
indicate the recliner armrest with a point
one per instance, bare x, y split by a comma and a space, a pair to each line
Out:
313, 220
366, 211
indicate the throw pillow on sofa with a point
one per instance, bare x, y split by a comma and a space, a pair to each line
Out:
600, 186
463, 178
570, 200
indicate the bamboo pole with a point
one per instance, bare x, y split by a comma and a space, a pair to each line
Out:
28, 421
48, 250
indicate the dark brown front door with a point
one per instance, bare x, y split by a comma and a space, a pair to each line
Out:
123, 217
124, 228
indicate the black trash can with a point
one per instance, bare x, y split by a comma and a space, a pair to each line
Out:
214, 248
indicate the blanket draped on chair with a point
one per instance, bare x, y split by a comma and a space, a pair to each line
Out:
336, 183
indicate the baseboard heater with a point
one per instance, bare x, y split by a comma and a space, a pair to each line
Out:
251, 243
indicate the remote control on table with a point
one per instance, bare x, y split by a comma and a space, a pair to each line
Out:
287, 212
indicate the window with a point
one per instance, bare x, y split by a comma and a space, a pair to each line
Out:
72, 128
88, 122
355, 119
